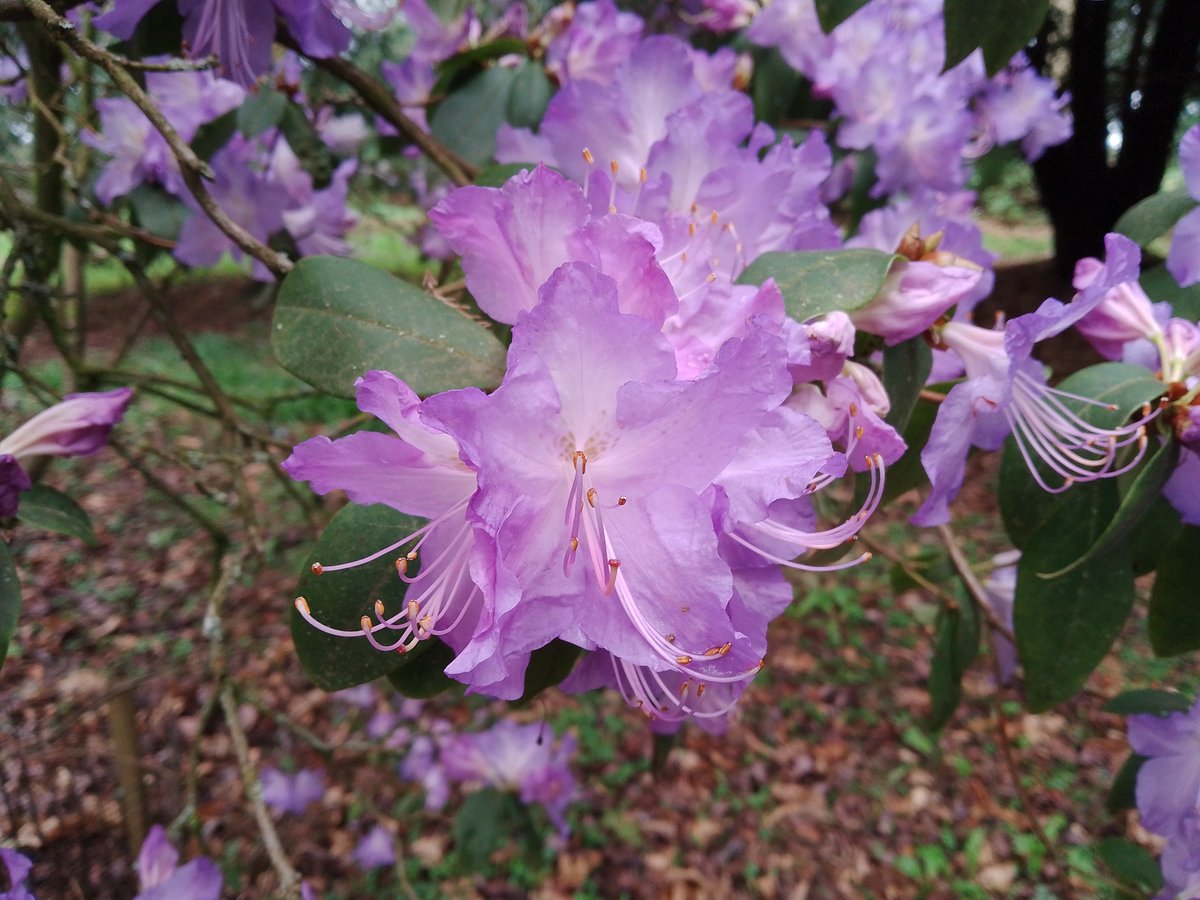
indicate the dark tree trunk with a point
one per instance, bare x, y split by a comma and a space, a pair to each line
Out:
1083, 194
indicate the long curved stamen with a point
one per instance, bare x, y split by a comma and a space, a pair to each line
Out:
434, 593
646, 690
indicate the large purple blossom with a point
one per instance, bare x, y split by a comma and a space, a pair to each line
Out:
1183, 259
160, 877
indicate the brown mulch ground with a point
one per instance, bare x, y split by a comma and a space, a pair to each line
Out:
827, 786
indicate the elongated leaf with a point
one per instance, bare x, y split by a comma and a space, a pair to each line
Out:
906, 368
548, 666
10, 600
336, 319
529, 96
157, 211
1148, 701
832, 13
1065, 626
468, 119
1137, 502
488, 820
44, 507
956, 648
1154, 216
1161, 287
1156, 532
1131, 864
815, 282
907, 472
1123, 793
1174, 619
1001, 29
212, 136
341, 599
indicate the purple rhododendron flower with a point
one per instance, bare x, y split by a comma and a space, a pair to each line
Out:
1005, 391
1183, 259
1001, 587
518, 758
377, 848
160, 877
18, 868
598, 38
292, 793
1168, 792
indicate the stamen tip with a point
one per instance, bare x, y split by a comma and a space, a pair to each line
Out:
317, 568
302, 606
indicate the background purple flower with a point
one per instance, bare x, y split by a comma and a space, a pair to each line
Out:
292, 793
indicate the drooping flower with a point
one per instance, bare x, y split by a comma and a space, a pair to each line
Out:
1005, 392
1000, 587
292, 793
160, 877
78, 426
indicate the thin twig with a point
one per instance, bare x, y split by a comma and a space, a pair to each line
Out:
978, 594
191, 166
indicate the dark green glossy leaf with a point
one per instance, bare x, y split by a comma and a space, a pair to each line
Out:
906, 368
815, 282
1122, 794
468, 119
955, 649
832, 13
10, 600
1137, 502
1148, 701
1001, 29
529, 96
1131, 864
314, 154
1155, 533
212, 136
341, 599
1066, 625
424, 674
337, 318
1161, 287
1154, 216
548, 666
44, 507
1174, 619
774, 85
262, 109
453, 72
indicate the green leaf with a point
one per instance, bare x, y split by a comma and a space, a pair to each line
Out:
487, 820
1001, 29
424, 674
262, 109
1123, 793
496, 176
907, 472
10, 600
1154, 216
955, 649
302, 136
337, 318
1155, 533
44, 507
1131, 864
1065, 626
468, 119
453, 72
548, 666
1148, 701
1024, 505
815, 282
832, 13
1161, 287
341, 599
1174, 618
157, 211
212, 136
773, 86
906, 367
529, 96
1137, 502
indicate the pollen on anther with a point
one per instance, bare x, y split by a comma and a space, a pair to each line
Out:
317, 568
700, 688
379, 608
621, 501
684, 609
587, 156
365, 624
302, 605
414, 609
670, 638
643, 174
574, 544
854, 409
591, 497
682, 660
402, 566
411, 556
613, 167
